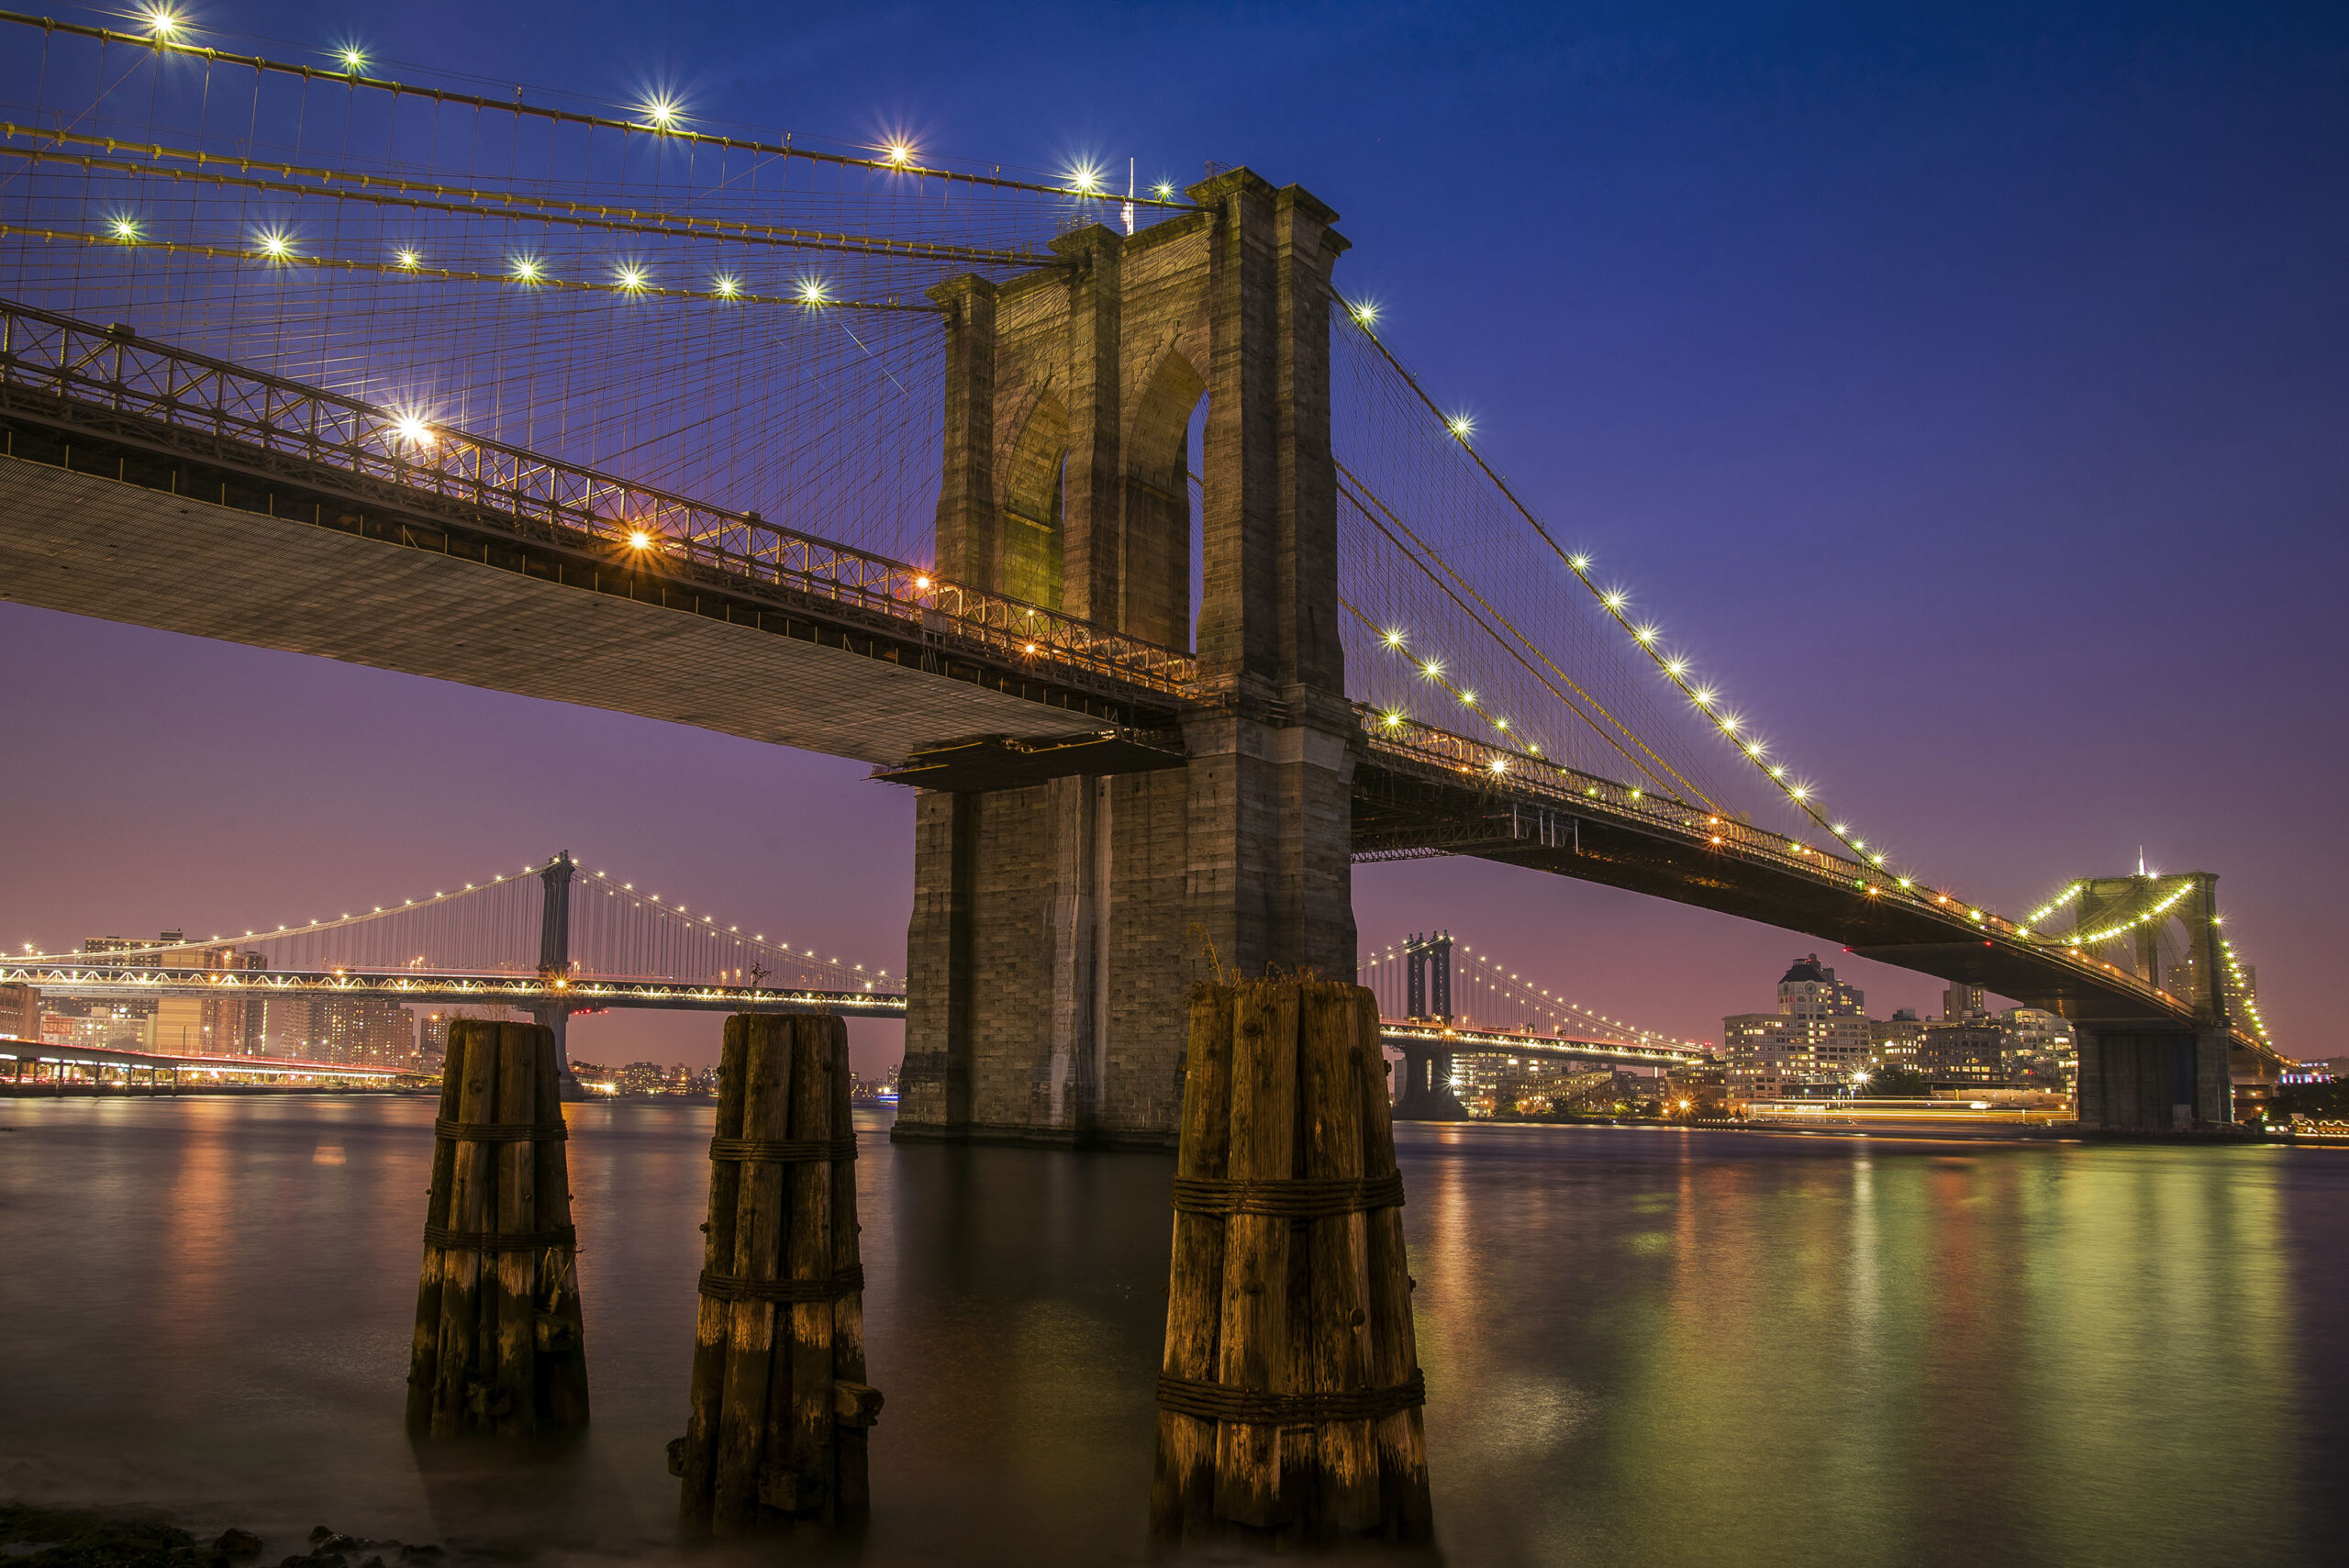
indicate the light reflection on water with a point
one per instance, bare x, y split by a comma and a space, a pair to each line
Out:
1642, 1347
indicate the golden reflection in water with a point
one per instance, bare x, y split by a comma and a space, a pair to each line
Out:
192, 1232
1845, 1350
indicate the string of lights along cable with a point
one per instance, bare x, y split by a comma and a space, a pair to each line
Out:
1487, 993
617, 932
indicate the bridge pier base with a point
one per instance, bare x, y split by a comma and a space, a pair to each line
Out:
2147, 1080
1426, 1092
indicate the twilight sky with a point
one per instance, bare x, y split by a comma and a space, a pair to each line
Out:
1968, 386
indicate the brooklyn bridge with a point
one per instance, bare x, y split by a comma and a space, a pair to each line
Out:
1103, 518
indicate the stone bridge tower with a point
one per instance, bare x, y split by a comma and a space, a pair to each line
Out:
2139, 1076
1057, 927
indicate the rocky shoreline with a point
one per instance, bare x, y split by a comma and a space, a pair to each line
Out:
33, 1537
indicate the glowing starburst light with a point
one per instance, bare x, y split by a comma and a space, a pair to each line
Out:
726, 287
274, 244
1579, 562
1499, 764
899, 153
1702, 697
1461, 426
812, 291
1086, 180
639, 539
1800, 792
1163, 190
354, 60
631, 279
526, 268
162, 22
1613, 601
410, 260
1392, 637
412, 430
1431, 668
123, 229
660, 112
1643, 635
1366, 312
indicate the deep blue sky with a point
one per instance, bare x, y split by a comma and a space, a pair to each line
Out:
1965, 383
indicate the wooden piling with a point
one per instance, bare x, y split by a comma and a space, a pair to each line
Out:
499, 1343
697, 1458
424, 1354
774, 1435
856, 1405
1336, 1333
1399, 1435
1183, 1494
1255, 1349
1289, 1358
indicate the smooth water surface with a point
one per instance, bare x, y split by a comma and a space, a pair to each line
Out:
1642, 1347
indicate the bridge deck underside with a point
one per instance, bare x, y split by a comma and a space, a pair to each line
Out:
134, 552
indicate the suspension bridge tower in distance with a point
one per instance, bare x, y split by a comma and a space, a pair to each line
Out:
1426, 1092
554, 957
1058, 921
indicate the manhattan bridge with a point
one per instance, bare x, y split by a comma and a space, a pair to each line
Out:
1100, 515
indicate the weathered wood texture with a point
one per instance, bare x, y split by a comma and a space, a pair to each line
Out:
775, 1433
500, 1341
1288, 1393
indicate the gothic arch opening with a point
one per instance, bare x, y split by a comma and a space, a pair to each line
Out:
1161, 526
1035, 504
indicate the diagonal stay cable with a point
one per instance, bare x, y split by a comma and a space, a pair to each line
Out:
1350, 484
1801, 800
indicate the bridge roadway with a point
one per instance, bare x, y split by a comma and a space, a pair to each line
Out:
117, 981
33, 1054
316, 526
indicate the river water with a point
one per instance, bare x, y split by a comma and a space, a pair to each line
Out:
1642, 1346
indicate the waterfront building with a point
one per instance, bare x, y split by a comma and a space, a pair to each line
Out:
2039, 1047
202, 1026
651, 1078
20, 1012
1818, 1037
1536, 1086
114, 1026
1968, 1051
1894, 1042
351, 1031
